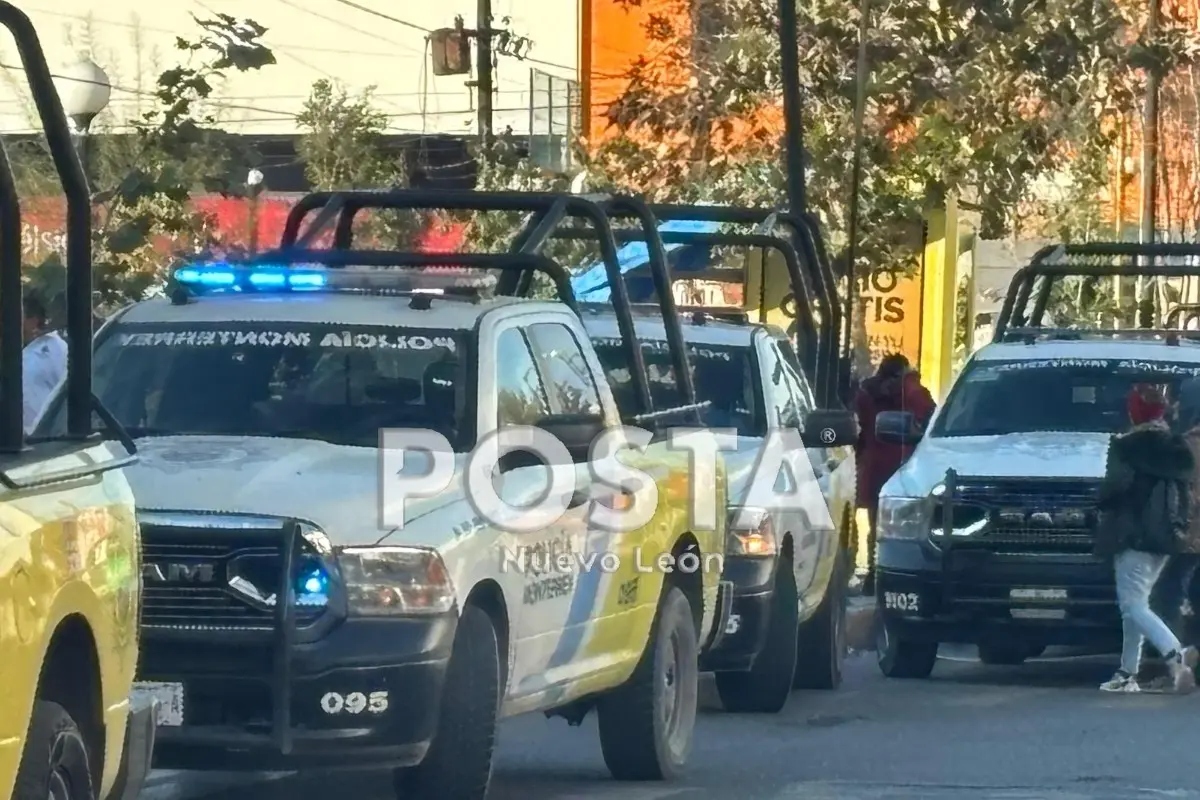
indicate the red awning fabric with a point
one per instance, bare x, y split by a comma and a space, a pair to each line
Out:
446, 239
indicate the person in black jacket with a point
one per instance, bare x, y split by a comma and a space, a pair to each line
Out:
1171, 594
1144, 516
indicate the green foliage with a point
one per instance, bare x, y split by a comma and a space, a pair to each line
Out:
342, 146
174, 150
502, 168
964, 326
979, 99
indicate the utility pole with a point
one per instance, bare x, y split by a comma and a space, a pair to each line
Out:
793, 119
1149, 156
483, 58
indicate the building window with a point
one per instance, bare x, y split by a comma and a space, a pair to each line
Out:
554, 121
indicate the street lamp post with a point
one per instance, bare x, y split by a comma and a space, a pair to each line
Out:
254, 187
85, 90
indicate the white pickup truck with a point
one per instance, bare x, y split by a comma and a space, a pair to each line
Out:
786, 627
257, 397
1011, 464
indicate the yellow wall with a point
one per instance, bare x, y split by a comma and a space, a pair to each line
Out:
938, 301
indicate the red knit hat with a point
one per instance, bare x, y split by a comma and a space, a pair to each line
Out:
1145, 404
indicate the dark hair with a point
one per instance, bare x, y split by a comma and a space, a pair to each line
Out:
34, 307
893, 366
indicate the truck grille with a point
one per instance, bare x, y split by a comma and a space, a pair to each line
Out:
1035, 515
210, 578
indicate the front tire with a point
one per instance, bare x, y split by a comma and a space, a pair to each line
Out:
765, 688
821, 644
54, 763
903, 658
458, 765
646, 725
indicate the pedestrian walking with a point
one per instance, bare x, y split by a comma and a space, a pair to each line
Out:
43, 362
1144, 519
1172, 592
895, 386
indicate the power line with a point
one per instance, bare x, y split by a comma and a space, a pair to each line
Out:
144, 93
155, 29
280, 115
230, 97
283, 53
414, 26
340, 23
429, 30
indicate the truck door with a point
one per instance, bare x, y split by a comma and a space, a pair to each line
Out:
572, 390
542, 585
785, 409
831, 467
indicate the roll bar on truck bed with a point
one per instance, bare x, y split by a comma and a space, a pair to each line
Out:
81, 403
1049, 265
547, 211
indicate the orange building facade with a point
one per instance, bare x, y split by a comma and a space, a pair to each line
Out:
614, 35
1177, 207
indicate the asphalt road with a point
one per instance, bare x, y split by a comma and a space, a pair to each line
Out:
1037, 732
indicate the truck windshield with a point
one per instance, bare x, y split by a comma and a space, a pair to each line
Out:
723, 376
1064, 394
335, 383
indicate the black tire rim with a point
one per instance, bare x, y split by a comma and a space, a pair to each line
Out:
882, 640
839, 634
672, 691
59, 781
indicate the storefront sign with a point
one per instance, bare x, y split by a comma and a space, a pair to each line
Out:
890, 303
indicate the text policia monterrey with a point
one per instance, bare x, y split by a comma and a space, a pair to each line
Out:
344, 339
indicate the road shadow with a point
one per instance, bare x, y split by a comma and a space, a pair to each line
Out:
1062, 672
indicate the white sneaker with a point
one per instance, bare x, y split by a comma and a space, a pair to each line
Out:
1121, 682
1183, 670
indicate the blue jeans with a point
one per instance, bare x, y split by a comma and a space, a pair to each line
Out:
1136, 574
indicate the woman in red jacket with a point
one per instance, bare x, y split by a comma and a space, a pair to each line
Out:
895, 386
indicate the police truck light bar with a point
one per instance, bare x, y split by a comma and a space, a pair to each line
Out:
216, 278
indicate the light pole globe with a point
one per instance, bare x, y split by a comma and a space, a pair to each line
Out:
85, 90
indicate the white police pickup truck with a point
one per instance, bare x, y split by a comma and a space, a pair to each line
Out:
257, 397
986, 533
787, 565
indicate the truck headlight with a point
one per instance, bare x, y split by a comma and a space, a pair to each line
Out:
395, 581
903, 518
750, 533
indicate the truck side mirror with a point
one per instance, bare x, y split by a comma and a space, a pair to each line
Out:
897, 427
830, 427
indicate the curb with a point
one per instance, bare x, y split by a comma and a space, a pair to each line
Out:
860, 624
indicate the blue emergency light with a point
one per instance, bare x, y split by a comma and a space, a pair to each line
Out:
223, 276
208, 278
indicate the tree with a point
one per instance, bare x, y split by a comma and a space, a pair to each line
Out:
174, 150
505, 168
342, 145
981, 99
